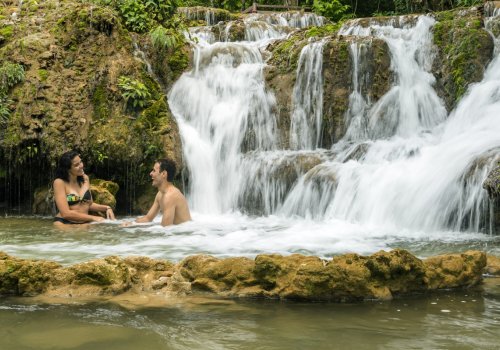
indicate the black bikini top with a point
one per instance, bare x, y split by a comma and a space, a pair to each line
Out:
74, 199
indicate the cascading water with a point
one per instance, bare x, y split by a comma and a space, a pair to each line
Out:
417, 172
307, 99
356, 117
426, 175
411, 105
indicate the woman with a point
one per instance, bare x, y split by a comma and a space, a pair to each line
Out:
72, 193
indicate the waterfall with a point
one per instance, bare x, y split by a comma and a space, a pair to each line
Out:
222, 107
427, 173
356, 116
404, 163
307, 99
412, 105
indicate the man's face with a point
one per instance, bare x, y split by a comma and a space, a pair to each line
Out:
157, 175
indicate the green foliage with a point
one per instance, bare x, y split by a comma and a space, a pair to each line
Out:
10, 75
466, 3
7, 31
331, 9
4, 111
141, 15
163, 38
135, 15
170, 35
161, 10
135, 91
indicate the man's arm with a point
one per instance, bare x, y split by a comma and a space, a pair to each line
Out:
153, 211
168, 213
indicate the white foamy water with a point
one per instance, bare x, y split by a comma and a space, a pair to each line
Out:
307, 98
229, 234
411, 105
428, 175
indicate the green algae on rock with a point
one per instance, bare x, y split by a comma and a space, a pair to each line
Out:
349, 277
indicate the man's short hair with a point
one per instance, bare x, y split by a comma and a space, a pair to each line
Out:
168, 165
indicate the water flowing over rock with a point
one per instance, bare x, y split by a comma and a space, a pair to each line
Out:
492, 185
350, 277
374, 93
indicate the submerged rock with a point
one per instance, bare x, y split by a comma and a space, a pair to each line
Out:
349, 277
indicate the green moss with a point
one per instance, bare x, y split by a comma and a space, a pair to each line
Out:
178, 62
43, 74
328, 29
100, 102
287, 52
7, 31
461, 41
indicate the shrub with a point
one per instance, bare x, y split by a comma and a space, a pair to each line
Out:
134, 91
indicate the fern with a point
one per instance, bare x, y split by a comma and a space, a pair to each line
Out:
163, 38
10, 75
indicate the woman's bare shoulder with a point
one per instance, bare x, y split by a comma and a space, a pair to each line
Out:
58, 182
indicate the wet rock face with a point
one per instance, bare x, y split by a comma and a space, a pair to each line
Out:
349, 277
376, 79
492, 185
464, 49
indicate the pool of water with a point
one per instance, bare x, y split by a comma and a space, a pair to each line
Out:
446, 320
223, 236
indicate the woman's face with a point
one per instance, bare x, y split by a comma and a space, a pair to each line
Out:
76, 167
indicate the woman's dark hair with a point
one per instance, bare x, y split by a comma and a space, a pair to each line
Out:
64, 165
168, 165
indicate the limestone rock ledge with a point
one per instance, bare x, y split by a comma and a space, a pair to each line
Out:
349, 277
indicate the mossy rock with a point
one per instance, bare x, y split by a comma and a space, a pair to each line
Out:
286, 53
492, 183
464, 50
101, 194
201, 13
110, 186
111, 274
43, 201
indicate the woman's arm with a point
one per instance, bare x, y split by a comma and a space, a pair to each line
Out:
103, 208
63, 207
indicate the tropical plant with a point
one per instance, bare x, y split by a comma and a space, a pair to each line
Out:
161, 10
169, 35
335, 10
4, 111
134, 91
10, 75
163, 38
135, 15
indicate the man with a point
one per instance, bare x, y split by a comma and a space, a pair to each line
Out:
169, 200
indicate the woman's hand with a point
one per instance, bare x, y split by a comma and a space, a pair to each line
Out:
110, 215
97, 218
